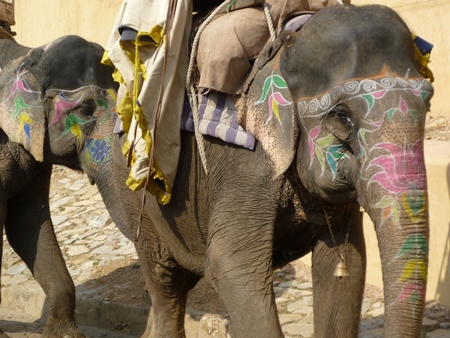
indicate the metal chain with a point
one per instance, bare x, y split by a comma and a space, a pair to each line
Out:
347, 235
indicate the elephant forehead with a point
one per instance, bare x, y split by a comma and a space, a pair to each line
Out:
369, 90
103, 97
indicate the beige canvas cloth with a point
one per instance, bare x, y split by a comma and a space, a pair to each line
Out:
139, 68
232, 39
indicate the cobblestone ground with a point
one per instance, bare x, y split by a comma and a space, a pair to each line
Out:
95, 250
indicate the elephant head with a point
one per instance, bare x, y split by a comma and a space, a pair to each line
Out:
59, 102
346, 107
55, 99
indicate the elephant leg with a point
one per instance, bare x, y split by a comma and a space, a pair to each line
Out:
3, 208
168, 285
338, 300
239, 267
30, 232
2, 222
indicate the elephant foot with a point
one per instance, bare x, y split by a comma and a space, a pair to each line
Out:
60, 331
3, 334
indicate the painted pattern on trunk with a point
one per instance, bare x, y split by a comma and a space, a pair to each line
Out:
397, 167
98, 147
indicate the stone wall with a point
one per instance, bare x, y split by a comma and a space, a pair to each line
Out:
38, 22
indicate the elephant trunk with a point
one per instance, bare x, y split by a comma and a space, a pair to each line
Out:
110, 188
404, 258
98, 163
396, 200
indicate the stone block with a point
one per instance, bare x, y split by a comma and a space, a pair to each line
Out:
440, 333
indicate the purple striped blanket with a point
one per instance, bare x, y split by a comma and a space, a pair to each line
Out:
217, 116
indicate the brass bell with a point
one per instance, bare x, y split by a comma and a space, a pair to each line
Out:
341, 269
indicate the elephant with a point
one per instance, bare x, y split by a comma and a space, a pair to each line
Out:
9, 48
338, 111
39, 127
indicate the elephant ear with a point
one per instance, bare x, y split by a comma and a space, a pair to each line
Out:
22, 115
266, 110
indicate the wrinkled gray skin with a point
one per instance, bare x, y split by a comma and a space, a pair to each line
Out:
256, 210
24, 181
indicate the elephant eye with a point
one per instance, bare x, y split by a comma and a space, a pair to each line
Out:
340, 122
87, 110
345, 119
87, 107
342, 114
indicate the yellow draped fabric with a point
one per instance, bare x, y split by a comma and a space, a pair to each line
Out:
143, 70
423, 60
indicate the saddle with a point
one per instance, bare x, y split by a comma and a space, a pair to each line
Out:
217, 110
229, 44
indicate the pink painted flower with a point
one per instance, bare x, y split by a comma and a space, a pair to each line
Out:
401, 169
61, 106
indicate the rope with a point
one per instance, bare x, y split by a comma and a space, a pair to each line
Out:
190, 86
168, 31
273, 34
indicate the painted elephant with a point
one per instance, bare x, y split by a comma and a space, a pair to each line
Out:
41, 125
338, 110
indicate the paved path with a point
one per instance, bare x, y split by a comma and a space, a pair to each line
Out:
90, 241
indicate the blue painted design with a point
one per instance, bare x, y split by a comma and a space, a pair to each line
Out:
26, 129
100, 150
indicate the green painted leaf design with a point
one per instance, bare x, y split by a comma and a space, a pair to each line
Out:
336, 151
265, 90
424, 95
102, 103
395, 212
72, 119
391, 113
320, 156
362, 134
384, 202
415, 297
19, 104
278, 81
414, 114
370, 100
414, 243
325, 141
